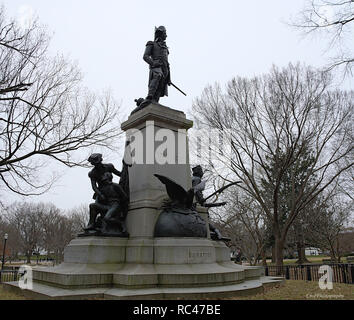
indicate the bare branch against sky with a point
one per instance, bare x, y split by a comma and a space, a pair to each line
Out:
45, 113
334, 22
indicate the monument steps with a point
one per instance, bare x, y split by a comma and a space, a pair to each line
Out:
143, 275
250, 287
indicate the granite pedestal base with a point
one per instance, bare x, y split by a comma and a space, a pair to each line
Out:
116, 268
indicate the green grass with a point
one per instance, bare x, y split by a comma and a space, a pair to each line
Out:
4, 295
311, 259
304, 290
289, 290
34, 257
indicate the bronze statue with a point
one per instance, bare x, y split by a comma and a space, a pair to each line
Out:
109, 211
198, 186
97, 173
179, 218
156, 56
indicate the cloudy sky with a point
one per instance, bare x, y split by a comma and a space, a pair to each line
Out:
209, 41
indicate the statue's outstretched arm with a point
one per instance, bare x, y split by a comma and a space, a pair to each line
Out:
116, 172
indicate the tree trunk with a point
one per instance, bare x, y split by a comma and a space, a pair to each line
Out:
264, 258
332, 252
301, 253
28, 256
273, 253
338, 251
279, 255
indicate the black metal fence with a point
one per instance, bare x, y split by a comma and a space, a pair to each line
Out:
342, 273
10, 274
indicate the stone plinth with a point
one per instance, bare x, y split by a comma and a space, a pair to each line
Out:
145, 129
156, 123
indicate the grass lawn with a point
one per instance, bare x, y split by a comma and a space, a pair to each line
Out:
4, 295
304, 290
311, 259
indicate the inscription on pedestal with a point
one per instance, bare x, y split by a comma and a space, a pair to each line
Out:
198, 255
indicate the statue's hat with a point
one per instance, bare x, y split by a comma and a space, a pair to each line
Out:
160, 28
95, 158
197, 168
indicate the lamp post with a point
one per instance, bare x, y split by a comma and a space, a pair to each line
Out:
3, 253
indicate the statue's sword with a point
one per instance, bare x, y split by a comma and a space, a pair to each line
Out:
177, 88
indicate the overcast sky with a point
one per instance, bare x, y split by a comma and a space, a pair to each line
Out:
209, 41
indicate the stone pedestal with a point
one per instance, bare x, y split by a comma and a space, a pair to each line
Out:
142, 266
147, 130
144, 129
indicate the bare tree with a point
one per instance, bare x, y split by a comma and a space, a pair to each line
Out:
13, 246
45, 111
345, 183
64, 233
329, 220
335, 21
40, 226
274, 119
58, 229
79, 217
346, 241
25, 218
51, 218
244, 222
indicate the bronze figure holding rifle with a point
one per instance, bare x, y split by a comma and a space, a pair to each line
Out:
198, 186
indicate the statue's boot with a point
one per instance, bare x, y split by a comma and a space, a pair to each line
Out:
150, 99
141, 104
153, 86
91, 223
90, 226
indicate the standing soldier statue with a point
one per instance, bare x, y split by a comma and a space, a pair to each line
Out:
156, 56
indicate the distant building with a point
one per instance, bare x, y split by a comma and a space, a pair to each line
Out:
42, 252
312, 251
